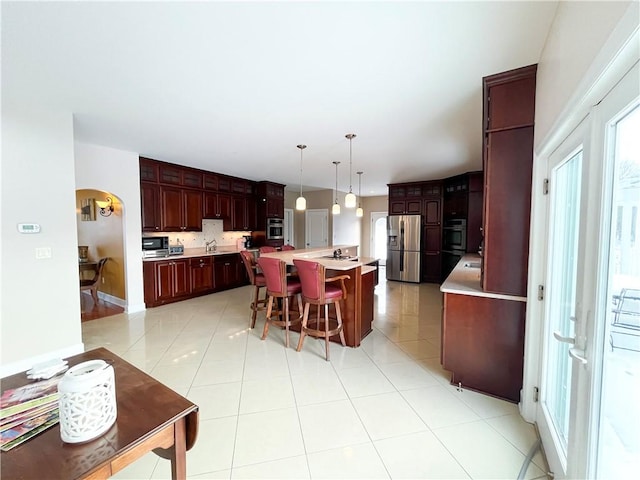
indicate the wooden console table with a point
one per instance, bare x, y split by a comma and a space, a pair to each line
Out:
151, 417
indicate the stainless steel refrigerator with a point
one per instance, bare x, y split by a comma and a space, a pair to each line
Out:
403, 247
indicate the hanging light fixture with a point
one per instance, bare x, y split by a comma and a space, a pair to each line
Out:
301, 202
359, 210
350, 198
335, 210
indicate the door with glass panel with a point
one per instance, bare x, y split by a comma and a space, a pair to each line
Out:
563, 241
589, 407
613, 379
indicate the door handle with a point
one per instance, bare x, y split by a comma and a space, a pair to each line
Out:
577, 354
560, 338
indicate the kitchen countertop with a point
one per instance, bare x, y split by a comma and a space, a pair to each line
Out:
318, 255
198, 252
465, 280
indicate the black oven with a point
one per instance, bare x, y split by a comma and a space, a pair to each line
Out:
275, 229
454, 235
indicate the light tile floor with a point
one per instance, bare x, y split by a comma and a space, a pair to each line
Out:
384, 410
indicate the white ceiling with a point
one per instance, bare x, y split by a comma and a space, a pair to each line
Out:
233, 87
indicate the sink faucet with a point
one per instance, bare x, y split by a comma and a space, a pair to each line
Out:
211, 246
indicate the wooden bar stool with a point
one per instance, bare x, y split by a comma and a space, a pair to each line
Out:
280, 286
316, 291
267, 249
258, 281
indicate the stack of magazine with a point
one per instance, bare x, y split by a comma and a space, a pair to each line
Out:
27, 411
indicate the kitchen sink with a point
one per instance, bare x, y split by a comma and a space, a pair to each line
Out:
341, 257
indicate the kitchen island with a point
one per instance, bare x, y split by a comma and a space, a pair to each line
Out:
357, 309
482, 333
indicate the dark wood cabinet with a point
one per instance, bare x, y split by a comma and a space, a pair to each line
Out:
176, 279
509, 100
431, 253
218, 206
165, 281
432, 214
243, 213
483, 343
176, 198
270, 203
228, 272
150, 207
181, 209
201, 271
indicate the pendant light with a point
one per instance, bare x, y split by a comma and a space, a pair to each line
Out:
335, 210
301, 202
359, 210
350, 198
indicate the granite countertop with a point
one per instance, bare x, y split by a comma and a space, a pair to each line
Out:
318, 254
465, 280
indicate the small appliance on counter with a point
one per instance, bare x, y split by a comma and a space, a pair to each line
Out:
177, 249
155, 247
248, 241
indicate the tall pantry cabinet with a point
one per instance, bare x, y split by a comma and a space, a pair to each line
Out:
509, 107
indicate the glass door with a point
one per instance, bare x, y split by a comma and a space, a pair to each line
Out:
565, 181
614, 416
588, 412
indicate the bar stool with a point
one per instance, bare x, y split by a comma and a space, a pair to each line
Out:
316, 291
267, 249
287, 247
279, 286
258, 281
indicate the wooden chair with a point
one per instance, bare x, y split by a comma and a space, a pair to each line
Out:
317, 290
279, 286
267, 249
258, 281
92, 284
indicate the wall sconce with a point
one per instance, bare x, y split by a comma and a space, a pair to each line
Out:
106, 208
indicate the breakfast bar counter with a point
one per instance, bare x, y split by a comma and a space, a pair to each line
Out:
357, 311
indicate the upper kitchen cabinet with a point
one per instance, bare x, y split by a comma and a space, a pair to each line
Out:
509, 100
181, 209
178, 175
405, 199
270, 202
149, 170
150, 207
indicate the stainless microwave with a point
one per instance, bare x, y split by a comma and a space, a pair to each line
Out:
155, 246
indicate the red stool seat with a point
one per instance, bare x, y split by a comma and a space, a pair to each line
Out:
316, 291
279, 285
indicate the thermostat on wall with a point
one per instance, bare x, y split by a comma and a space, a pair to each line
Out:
29, 228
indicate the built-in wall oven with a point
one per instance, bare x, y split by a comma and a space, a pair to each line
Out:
454, 235
275, 229
454, 244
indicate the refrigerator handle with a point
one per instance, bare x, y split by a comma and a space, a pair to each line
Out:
402, 245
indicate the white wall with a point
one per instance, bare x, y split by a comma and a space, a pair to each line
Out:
346, 227
40, 299
117, 172
578, 33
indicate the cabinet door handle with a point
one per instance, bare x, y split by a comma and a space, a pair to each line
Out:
562, 339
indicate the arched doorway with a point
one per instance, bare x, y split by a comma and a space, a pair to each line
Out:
379, 236
102, 233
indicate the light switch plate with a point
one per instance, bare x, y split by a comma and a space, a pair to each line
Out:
43, 252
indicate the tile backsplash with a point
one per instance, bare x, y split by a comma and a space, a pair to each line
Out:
210, 229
